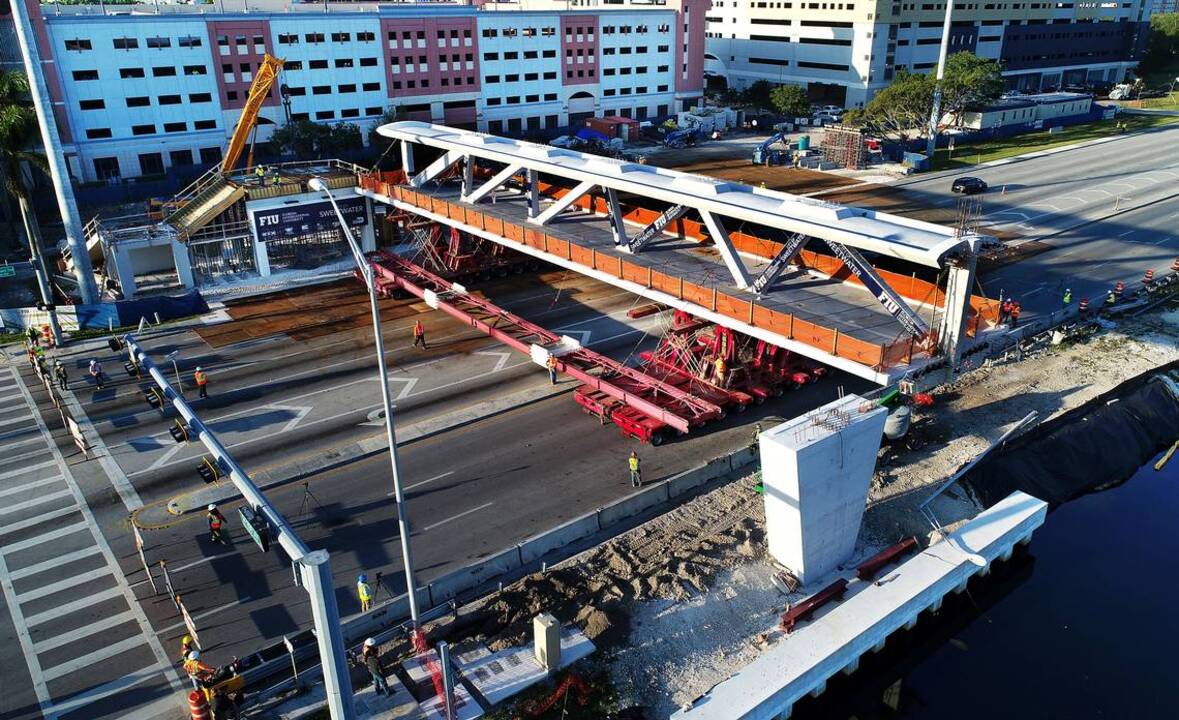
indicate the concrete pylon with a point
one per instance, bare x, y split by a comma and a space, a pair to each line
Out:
959, 283
53, 152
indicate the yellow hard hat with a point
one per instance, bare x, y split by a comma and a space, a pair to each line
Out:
186, 640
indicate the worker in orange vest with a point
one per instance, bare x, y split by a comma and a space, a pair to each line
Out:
419, 334
551, 363
1015, 311
721, 372
197, 671
202, 382
216, 524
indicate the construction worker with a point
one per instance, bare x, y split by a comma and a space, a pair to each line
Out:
275, 177
720, 372
216, 524
187, 645
364, 591
636, 473
59, 372
1015, 311
1005, 311
197, 671
202, 382
419, 334
1111, 298
372, 661
96, 373
551, 364
756, 436
1067, 298
260, 173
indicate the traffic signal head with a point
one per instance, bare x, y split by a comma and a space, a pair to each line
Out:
209, 470
131, 368
179, 432
154, 398
114, 343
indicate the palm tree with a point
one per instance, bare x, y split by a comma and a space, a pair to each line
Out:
18, 130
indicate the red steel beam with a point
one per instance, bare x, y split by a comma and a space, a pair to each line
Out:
520, 334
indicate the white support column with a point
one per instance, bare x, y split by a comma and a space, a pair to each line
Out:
468, 175
959, 282
436, 168
183, 263
720, 236
124, 270
407, 158
563, 202
533, 190
617, 227
490, 186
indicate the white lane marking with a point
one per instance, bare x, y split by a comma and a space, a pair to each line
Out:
43, 537
24, 456
18, 443
101, 692
64, 609
114, 473
14, 421
35, 521
71, 581
39, 500
163, 663
202, 561
84, 632
504, 357
456, 517
424, 482
54, 562
24, 470
1128, 232
79, 662
205, 614
29, 485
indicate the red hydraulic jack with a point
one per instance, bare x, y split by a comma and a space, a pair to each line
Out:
642, 405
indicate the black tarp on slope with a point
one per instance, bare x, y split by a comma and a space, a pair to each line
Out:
1096, 445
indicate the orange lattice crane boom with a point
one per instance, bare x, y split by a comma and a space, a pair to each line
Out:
248, 122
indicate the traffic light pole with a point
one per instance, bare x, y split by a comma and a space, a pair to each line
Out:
314, 568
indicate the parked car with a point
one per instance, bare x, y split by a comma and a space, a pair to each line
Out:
968, 185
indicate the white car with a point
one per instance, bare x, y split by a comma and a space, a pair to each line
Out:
831, 110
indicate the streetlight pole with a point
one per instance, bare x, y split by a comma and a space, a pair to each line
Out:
366, 271
936, 116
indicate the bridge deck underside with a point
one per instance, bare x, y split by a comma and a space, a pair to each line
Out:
848, 308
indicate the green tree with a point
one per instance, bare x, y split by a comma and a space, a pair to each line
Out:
1162, 54
18, 133
391, 115
306, 139
758, 93
903, 108
791, 100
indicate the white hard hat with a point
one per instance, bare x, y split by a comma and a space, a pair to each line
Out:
212, 506
194, 654
198, 368
370, 642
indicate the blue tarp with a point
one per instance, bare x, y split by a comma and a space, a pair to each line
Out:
169, 308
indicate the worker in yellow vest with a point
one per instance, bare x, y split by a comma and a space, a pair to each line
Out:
202, 382
636, 475
365, 592
721, 372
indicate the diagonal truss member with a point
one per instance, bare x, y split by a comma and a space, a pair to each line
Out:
724, 245
780, 262
651, 232
883, 293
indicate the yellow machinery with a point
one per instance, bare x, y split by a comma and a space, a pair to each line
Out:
247, 125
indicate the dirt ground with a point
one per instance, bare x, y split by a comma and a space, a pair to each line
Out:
682, 601
785, 179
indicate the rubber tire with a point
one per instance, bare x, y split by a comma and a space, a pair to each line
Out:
742, 407
657, 438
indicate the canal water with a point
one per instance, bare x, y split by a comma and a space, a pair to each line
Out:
1084, 623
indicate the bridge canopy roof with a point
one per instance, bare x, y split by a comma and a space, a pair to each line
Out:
868, 230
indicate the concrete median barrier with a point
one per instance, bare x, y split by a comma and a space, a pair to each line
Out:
469, 577
633, 505
567, 533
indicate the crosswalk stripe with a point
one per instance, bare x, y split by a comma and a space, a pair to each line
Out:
94, 694
66, 608
22, 419
23, 456
22, 471
35, 521
71, 581
52, 563
83, 632
43, 537
18, 443
39, 500
79, 662
29, 485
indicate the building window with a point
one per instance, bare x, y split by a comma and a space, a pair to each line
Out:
317, 64
231, 95
350, 113
372, 111
368, 62
550, 97
98, 133
141, 101
344, 62
98, 104
143, 129
313, 37
365, 36
204, 125
349, 88
163, 71
196, 70
341, 37
298, 117
106, 168
325, 114
169, 100
80, 45
531, 98
292, 65
370, 86
189, 41
180, 158
159, 42
294, 91
200, 98
151, 164
80, 75
120, 43
210, 155
174, 127
288, 39
321, 90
